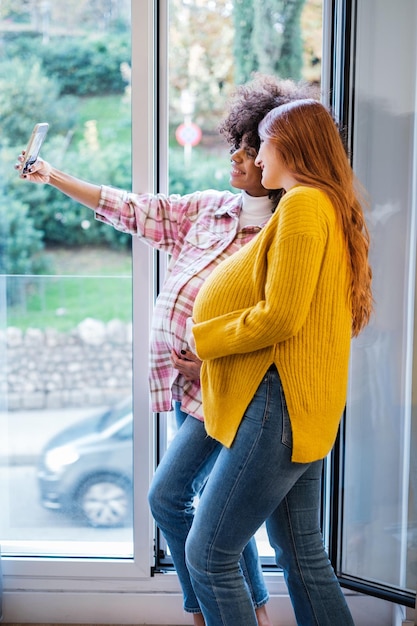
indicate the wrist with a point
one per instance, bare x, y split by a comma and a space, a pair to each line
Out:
52, 175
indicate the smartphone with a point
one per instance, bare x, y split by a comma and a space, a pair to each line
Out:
34, 146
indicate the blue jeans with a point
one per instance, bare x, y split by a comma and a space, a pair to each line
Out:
179, 478
252, 482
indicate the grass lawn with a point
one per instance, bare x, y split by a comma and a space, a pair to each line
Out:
91, 282
112, 115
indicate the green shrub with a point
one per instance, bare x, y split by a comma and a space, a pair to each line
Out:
28, 96
87, 66
20, 241
207, 171
80, 66
22, 46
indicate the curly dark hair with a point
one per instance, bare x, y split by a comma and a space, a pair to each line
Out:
252, 101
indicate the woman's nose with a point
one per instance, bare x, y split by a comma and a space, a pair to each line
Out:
237, 155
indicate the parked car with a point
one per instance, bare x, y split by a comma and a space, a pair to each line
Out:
86, 469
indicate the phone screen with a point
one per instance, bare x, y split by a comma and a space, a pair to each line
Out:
34, 146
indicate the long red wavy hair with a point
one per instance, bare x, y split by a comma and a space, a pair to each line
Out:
311, 147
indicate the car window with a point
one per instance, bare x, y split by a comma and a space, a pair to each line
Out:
115, 413
127, 431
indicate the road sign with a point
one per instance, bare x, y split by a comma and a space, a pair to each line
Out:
188, 134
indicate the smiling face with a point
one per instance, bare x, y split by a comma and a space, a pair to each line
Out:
245, 174
275, 174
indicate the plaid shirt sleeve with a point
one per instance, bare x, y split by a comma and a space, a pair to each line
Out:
156, 218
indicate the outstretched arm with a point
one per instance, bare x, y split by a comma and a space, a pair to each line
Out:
77, 189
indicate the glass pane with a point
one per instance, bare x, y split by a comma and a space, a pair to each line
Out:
66, 293
214, 46
380, 514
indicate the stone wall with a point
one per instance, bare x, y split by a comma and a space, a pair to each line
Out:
88, 366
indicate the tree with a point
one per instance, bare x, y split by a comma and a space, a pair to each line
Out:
244, 51
268, 38
200, 59
27, 96
20, 242
290, 62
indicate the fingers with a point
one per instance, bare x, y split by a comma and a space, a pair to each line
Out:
188, 367
19, 164
20, 160
190, 370
190, 356
38, 172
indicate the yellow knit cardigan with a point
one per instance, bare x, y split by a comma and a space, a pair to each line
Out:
284, 298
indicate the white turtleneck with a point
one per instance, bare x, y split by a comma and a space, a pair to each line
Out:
255, 210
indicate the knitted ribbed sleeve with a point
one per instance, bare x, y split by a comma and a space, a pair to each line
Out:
283, 299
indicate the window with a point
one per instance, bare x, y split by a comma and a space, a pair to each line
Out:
55, 567
212, 47
379, 503
66, 281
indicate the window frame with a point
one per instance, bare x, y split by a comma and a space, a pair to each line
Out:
28, 572
345, 88
125, 590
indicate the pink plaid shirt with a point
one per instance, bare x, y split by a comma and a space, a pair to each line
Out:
198, 230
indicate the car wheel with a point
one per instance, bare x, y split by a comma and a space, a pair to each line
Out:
105, 501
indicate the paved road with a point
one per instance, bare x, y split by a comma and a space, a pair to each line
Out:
24, 433
23, 519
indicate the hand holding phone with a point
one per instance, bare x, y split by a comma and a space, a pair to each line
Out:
34, 146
